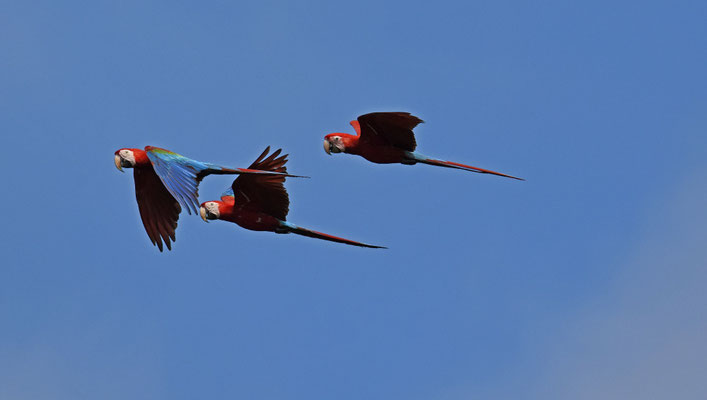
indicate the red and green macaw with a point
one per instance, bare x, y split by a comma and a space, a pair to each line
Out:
387, 138
261, 203
165, 182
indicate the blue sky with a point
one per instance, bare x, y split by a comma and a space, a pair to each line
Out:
581, 282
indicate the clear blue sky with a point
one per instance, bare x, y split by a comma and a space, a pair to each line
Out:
582, 282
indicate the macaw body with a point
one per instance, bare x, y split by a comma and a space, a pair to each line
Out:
246, 217
261, 203
164, 183
374, 153
388, 138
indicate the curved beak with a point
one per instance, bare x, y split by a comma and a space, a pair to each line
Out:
117, 163
202, 212
327, 147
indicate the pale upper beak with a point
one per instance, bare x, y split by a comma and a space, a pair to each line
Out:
117, 163
327, 147
202, 212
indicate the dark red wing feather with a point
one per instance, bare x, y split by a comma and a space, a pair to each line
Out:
265, 193
389, 128
158, 209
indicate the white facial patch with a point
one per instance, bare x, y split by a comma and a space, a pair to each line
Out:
337, 144
128, 157
212, 208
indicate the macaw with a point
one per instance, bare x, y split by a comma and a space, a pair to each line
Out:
164, 183
386, 138
261, 203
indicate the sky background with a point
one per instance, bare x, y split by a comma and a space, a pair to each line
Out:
586, 281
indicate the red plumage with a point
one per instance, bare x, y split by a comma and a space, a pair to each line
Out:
261, 203
388, 138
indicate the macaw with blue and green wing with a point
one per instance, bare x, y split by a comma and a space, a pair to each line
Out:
165, 182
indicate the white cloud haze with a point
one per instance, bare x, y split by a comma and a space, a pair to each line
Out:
646, 337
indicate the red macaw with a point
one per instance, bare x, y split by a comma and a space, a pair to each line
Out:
261, 203
387, 138
163, 181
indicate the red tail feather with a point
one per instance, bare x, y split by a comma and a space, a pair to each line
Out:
331, 238
450, 164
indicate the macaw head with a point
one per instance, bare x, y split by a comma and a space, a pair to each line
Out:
334, 143
124, 158
209, 210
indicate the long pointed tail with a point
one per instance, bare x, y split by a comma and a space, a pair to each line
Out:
219, 170
448, 164
291, 228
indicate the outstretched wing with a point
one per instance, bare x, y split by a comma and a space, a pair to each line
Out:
389, 128
181, 175
159, 211
265, 193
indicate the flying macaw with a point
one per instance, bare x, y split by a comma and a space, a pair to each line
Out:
163, 181
261, 203
387, 138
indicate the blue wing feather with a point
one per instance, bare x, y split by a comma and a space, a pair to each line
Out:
228, 192
179, 175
